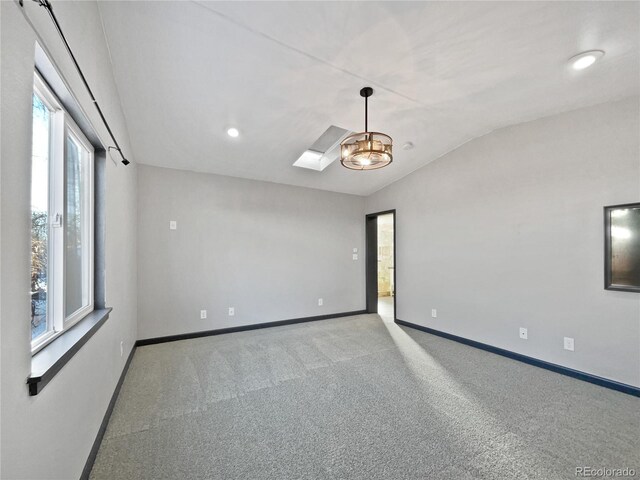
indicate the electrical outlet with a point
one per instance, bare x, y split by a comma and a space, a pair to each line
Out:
203, 314
434, 313
568, 343
232, 311
173, 225
121, 348
355, 250
320, 302
355, 256
523, 333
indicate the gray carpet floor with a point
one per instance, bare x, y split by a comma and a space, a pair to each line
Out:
356, 398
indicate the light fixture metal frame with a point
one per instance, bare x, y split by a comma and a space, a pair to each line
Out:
384, 140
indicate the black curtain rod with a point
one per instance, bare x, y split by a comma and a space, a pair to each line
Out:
47, 5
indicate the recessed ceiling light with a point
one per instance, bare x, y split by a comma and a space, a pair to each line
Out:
585, 59
233, 132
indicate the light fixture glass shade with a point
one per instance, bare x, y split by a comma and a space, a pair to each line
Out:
366, 151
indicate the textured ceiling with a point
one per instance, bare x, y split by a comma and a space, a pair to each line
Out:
443, 73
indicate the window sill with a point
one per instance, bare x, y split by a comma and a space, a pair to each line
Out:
49, 361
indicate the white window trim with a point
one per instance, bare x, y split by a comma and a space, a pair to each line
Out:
61, 123
71, 127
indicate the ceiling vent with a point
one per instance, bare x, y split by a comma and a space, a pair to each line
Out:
324, 151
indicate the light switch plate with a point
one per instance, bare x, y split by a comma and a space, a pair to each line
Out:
568, 344
232, 311
173, 225
524, 333
434, 313
355, 256
203, 314
355, 250
320, 302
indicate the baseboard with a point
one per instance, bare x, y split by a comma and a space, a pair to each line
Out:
587, 377
242, 328
86, 471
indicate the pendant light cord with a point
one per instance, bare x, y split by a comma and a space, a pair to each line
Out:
47, 5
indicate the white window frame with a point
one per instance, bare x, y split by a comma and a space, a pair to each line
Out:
61, 125
72, 129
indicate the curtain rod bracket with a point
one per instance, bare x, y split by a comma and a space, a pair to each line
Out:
124, 160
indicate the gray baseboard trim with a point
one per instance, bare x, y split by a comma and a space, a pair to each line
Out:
242, 328
86, 471
587, 377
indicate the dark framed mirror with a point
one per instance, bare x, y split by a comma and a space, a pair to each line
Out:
622, 247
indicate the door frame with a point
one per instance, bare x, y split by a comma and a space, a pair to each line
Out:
371, 259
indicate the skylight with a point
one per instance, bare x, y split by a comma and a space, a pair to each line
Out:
324, 151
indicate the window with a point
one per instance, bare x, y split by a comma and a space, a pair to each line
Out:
61, 220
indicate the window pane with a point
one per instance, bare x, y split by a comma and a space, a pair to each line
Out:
625, 247
77, 222
39, 218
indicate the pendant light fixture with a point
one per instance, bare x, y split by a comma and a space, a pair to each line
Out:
366, 150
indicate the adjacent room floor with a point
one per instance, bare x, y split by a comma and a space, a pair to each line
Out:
356, 398
385, 308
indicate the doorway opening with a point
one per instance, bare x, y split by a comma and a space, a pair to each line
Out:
381, 262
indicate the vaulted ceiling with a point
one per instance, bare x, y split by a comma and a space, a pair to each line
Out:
282, 72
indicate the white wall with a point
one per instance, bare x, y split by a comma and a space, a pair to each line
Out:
507, 231
268, 250
50, 435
